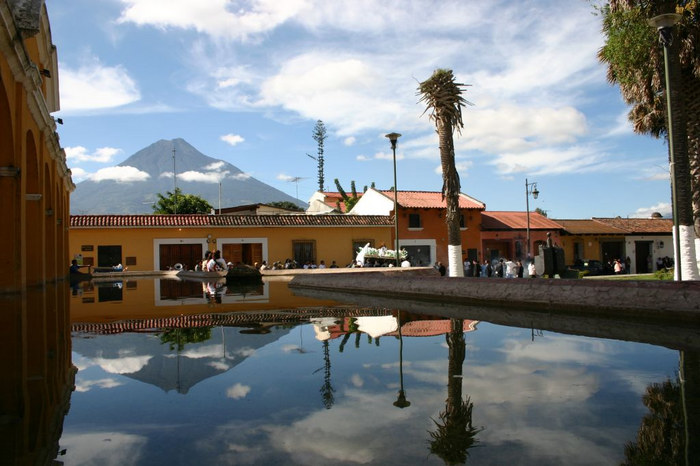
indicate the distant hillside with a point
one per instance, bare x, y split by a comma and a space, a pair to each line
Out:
196, 174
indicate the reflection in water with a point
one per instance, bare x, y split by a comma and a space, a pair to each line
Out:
180, 381
668, 433
455, 434
37, 375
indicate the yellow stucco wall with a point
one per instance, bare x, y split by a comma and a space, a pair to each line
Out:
332, 243
165, 297
35, 183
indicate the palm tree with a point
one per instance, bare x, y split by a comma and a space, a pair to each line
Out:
455, 434
636, 62
443, 95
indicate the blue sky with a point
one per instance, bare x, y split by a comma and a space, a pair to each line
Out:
245, 81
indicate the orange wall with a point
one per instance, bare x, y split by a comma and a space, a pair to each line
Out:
434, 228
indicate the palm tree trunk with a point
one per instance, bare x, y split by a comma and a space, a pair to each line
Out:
681, 169
450, 191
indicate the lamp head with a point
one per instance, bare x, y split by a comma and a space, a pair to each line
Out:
535, 192
666, 20
393, 137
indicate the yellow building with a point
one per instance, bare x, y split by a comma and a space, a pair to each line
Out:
157, 242
35, 183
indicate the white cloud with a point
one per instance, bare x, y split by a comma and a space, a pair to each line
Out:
104, 448
204, 177
232, 139
124, 364
284, 177
78, 174
95, 86
664, 208
119, 174
101, 155
217, 18
87, 385
240, 176
462, 168
215, 166
238, 391
349, 141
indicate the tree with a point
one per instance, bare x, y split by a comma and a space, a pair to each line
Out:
636, 62
285, 205
443, 96
176, 202
347, 200
319, 136
541, 212
455, 434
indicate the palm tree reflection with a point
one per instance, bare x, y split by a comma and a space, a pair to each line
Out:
455, 433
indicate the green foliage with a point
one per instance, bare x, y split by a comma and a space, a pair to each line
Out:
349, 201
319, 135
664, 274
176, 202
630, 42
285, 205
179, 337
541, 212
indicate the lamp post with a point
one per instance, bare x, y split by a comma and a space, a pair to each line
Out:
664, 25
401, 401
530, 188
393, 137
175, 180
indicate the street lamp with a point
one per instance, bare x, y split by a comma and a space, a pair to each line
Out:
401, 401
664, 24
393, 137
530, 188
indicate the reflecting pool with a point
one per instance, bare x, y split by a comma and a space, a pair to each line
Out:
182, 373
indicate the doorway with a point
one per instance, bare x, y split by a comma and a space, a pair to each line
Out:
642, 259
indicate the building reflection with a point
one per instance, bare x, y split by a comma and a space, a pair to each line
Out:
38, 376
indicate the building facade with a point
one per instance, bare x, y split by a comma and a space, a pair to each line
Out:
160, 242
35, 183
421, 223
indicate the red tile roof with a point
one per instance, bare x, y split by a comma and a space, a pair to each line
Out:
516, 221
588, 227
431, 200
639, 225
202, 220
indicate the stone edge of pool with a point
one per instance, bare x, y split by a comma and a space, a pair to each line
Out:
637, 299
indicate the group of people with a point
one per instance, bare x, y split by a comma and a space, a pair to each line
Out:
212, 262
500, 269
293, 264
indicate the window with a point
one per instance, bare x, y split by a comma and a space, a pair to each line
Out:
108, 256
462, 222
414, 221
304, 251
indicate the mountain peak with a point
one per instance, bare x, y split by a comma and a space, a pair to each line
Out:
196, 174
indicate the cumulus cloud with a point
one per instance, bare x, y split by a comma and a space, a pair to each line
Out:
78, 174
124, 364
100, 155
238, 391
203, 177
104, 448
349, 141
87, 385
232, 139
94, 86
664, 208
214, 17
123, 174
